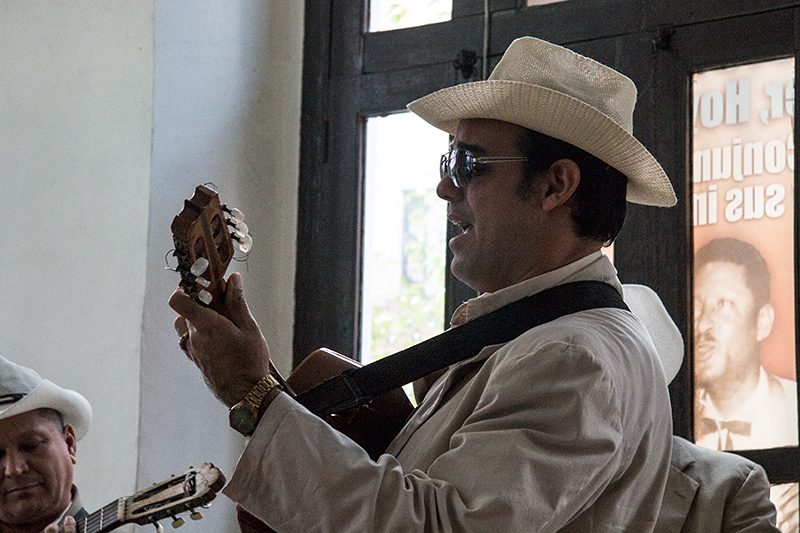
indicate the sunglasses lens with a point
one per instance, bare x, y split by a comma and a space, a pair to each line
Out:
457, 165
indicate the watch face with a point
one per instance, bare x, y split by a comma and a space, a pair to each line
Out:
242, 420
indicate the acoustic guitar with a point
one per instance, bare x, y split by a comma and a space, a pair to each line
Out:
189, 491
206, 233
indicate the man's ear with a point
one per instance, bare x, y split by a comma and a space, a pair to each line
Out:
560, 183
72, 442
766, 317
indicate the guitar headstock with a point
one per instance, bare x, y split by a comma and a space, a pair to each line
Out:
204, 233
186, 492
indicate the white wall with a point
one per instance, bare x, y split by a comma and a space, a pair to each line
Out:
111, 111
226, 110
75, 118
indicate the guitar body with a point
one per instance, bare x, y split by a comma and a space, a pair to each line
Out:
371, 426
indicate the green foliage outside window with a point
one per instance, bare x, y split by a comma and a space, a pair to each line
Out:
417, 312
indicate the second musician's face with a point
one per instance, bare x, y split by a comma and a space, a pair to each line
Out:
36, 461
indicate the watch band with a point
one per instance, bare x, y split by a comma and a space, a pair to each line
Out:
244, 416
260, 391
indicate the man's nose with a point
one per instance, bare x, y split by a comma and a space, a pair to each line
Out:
702, 318
447, 190
13, 464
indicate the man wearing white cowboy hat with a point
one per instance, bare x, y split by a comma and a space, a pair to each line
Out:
707, 491
564, 428
40, 424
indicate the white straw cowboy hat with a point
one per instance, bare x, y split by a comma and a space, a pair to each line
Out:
645, 304
553, 90
23, 390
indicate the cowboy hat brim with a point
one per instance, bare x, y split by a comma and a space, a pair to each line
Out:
645, 304
557, 115
74, 408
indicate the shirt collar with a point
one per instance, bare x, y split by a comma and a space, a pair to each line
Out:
595, 266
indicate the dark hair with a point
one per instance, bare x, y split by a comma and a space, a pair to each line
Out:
734, 251
598, 204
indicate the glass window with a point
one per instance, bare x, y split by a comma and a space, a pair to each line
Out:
743, 217
404, 236
395, 14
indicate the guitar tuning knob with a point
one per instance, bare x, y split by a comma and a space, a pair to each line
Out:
236, 215
205, 297
244, 243
196, 515
159, 527
177, 522
199, 266
241, 229
203, 282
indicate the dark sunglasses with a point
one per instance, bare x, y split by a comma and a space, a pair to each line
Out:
459, 165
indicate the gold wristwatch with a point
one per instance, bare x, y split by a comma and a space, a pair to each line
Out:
243, 416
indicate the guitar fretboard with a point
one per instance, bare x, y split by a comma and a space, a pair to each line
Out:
100, 521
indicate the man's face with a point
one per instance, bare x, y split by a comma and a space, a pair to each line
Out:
725, 324
500, 237
36, 459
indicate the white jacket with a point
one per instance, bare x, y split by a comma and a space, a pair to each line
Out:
566, 428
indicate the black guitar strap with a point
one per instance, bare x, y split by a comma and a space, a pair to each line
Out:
358, 386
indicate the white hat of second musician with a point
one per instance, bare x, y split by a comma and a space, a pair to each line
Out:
555, 91
645, 304
23, 390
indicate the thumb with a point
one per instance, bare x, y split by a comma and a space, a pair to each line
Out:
235, 305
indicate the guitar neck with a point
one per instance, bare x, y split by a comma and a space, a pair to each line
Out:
106, 519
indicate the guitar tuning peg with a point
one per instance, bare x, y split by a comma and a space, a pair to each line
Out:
196, 515
205, 297
236, 215
244, 243
203, 282
177, 522
199, 266
159, 527
241, 229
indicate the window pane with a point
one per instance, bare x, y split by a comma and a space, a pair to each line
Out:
742, 203
404, 241
395, 14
